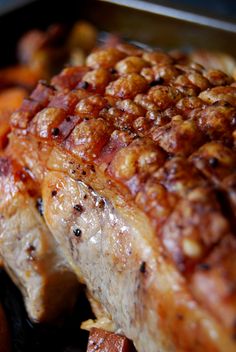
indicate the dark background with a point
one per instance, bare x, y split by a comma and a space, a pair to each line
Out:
222, 8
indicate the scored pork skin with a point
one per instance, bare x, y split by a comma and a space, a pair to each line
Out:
29, 252
156, 140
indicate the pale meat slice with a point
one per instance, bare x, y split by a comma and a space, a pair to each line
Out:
111, 248
30, 255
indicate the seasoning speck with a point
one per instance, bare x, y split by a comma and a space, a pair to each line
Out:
113, 70
204, 266
39, 205
77, 232
142, 268
83, 85
31, 252
101, 204
55, 132
54, 193
214, 162
157, 81
78, 208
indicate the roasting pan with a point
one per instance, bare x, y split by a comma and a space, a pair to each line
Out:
148, 23
136, 20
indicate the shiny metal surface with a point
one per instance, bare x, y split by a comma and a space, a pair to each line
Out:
176, 13
160, 26
141, 21
10, 5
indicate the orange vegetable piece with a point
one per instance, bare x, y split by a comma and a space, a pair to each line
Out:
104, 341
10, 100
19, 75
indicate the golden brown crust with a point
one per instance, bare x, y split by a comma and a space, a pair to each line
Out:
161, 133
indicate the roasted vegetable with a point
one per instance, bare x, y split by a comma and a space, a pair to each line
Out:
103, 341
10, 100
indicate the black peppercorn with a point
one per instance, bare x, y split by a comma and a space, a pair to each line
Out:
157, 81
142, 268
113, 70
78, 208
214, 162
83, 85
55, 131
77, 232
54, 193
